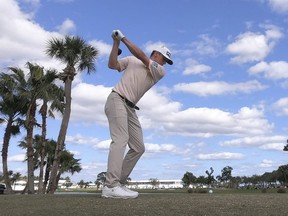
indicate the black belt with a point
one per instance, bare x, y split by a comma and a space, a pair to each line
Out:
129, 103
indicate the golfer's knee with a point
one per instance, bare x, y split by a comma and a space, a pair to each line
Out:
141, 150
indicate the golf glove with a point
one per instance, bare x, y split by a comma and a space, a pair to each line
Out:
118, 34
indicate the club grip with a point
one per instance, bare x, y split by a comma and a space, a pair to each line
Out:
119, 51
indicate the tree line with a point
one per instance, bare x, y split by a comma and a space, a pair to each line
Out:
272, 179
25, 94
276, 178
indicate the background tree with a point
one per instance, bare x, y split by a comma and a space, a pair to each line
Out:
68, 164
101, 177
12, 109
286, 146
50, 152
188, 179
226, 175
34, 87
201, 180
81, 183
36, 143
154, 182
283, 174
235, 182
15, 177
210, 177
78, 56
68, 182
52, 101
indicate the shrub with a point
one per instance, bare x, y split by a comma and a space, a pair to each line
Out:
201, 191
264, 190
190, 190
281, 190
198, 190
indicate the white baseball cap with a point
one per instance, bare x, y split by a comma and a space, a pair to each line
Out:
165, 52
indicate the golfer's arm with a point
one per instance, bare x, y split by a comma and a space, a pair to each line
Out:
113, 58
136, 51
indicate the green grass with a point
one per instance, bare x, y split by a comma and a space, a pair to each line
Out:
160, 202
217, 190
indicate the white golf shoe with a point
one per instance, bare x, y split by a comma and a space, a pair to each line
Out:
118, 193
129, 191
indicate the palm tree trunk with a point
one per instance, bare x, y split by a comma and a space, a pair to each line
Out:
30, 149
5, 147
42, 150
61, 137
46, 177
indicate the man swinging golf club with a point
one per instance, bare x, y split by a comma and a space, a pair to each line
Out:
140, 73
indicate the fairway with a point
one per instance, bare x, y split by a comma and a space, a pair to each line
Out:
147, 204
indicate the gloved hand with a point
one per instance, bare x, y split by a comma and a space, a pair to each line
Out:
118, 34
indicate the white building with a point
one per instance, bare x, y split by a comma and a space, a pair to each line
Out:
158, 184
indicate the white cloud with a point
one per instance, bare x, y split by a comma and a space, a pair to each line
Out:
160, 148
251, 46
67, 27
280, 6
75, 153
81, 140
21, 39
17, 158
281, 106
206, 45
150, 46
88, 100
207, 122
266, 164
193, 67
104, 48
105, 144
273, 70
273, 146
220, 156
167, 116
248, 47
263, 142
149, 147
219, 87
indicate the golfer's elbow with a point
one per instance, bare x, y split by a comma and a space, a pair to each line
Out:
114, 66
110, 66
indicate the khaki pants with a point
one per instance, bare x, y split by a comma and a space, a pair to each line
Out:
125, 129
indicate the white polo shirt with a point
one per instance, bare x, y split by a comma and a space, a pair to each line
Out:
137, 79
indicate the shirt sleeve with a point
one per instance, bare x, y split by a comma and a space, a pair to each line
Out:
157, 71
123, 63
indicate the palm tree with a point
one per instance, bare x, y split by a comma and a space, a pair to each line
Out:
55, 96
67, 161
12, 109
35, 87
78, 56
68, 164
50, 152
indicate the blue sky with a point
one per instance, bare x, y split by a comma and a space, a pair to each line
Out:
222, 103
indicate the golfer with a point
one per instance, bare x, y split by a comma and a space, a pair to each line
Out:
140, 73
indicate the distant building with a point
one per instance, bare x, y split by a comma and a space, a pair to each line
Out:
20, 185
159, 184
